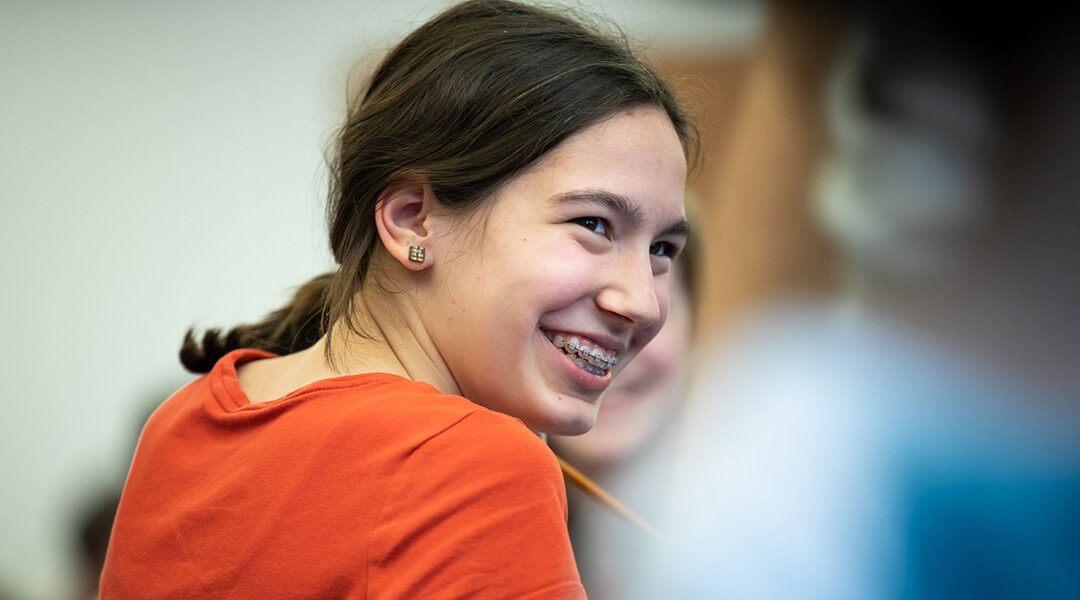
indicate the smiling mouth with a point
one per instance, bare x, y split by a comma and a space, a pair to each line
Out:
583, 353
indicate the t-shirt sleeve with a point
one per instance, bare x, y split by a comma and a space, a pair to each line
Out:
477, 511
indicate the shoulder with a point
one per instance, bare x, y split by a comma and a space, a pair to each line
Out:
477, 510
490, 446
477, 452
427, 421
426, 433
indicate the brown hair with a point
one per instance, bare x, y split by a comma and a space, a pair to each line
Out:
465, 102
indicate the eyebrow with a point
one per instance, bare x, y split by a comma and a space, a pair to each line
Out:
621, 205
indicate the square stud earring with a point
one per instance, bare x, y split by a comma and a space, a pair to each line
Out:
416, 253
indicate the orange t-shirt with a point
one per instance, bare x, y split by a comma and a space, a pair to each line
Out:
363, 486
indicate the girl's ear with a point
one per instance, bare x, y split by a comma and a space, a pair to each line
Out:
403, 217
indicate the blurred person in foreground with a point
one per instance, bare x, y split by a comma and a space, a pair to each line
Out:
919, 436
629, 452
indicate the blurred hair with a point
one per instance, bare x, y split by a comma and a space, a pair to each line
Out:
465, 102
692, 258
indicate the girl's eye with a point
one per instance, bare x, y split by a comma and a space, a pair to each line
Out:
664, 249
594, 224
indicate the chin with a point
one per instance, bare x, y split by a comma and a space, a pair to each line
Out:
577, 427
578, 420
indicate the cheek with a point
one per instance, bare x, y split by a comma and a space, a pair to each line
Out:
660, 360
517, 290
524, 297
669, 352
550, 276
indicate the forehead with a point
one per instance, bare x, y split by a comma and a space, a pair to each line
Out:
635, 154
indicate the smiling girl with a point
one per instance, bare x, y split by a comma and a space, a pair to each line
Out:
505, 208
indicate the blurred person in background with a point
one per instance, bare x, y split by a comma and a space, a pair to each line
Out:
629, 451
92, 542
919, 435
93, 516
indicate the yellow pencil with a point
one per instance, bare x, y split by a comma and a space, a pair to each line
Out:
586, 485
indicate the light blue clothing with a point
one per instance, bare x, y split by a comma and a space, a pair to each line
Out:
839, 457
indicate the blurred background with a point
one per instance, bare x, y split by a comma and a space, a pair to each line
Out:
152, 153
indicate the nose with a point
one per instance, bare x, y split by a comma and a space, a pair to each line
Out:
631, 292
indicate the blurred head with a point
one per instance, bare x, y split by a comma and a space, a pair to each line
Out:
907, 183
949, 189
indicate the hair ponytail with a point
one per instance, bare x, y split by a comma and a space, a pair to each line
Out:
291, 328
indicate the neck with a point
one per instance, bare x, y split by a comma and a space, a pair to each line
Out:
393, 339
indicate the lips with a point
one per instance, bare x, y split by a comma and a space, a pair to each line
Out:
584, 352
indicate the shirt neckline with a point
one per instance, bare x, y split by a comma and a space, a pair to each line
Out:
226, 389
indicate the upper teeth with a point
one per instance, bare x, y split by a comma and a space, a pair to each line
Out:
594, 356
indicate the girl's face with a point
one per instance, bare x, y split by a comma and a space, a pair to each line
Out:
574, 252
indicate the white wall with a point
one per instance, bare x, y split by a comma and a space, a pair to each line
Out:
161, 166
